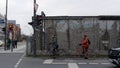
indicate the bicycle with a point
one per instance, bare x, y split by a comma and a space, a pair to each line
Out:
55, 53
78, 51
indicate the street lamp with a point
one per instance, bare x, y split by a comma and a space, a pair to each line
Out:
34, 22
5, 46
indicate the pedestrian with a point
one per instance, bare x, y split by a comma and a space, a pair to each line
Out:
85, 45
15, 43
11, 38
54, 43
8, 44
15, 36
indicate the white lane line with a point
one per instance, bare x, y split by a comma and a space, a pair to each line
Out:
72, 65
59, 63
105, 63
82, 63
93, 63
16, 65
48, 61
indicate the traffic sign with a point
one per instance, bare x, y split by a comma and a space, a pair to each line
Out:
1, 21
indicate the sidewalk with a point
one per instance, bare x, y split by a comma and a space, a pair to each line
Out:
20, 48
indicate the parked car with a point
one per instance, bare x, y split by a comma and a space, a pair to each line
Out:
1, 43
114, 56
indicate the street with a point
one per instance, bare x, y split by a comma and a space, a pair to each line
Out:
50, 34
17, 59
9, 59
64, 63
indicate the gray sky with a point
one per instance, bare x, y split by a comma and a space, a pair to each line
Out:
22, 10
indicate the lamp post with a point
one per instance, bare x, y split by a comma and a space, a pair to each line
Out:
6, 25
34, 21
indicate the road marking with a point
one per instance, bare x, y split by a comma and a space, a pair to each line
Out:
59, 63
48, 61
72, 65
93, 63
16, 65
82, 63
105, 63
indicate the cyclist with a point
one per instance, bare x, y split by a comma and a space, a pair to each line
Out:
54, 44
85, 45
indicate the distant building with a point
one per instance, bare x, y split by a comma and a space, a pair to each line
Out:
10, 24
16, 29
18, 33
2, 24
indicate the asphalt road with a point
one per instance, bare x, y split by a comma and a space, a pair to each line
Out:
28, 62
17, 59
9, 60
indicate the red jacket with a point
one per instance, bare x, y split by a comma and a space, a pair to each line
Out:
85, 42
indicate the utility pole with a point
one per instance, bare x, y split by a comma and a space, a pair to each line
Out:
6, 26
34, 21
42, 31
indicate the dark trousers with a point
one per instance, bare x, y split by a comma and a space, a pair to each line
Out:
55, 49
15, 42
8, 44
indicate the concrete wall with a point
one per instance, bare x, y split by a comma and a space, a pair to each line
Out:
92, 27
70, 33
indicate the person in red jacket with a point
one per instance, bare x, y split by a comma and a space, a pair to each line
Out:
85, 46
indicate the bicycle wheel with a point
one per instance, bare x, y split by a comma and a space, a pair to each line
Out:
61, 52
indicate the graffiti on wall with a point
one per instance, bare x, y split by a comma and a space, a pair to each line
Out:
103, 34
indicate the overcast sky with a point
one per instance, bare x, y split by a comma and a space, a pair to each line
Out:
22, 10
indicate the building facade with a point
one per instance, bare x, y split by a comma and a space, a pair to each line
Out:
2, 24
16, 30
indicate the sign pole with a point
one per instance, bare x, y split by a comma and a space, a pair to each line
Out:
34, 21
5, 46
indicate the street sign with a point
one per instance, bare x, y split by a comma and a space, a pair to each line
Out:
2, 21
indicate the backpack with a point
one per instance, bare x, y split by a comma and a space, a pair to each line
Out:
89, 42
